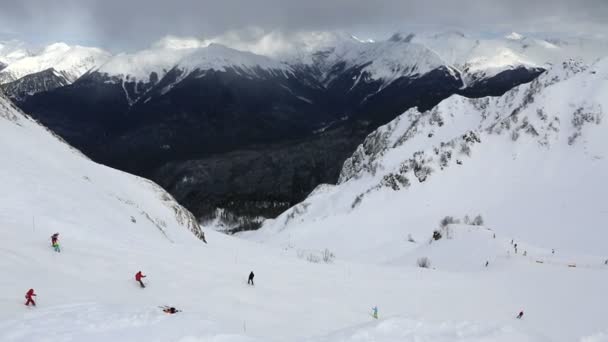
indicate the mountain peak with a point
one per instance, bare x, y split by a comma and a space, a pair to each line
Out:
514, 36
56, 47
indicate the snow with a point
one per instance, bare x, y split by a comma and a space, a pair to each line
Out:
514, 36
535, 175
218, 57
187, 55
385, 61
483, 57
138, 66
71, 61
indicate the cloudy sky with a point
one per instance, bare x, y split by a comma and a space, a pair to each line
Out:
133, 24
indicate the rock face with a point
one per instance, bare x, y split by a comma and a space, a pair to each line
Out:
259, 181
31, 84
201, 127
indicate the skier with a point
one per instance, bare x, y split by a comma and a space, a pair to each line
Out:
250, 280
30, 293
487, 263
525, 253
55, 242
520, 314
170, 310
375, 312
138, 277
552, 251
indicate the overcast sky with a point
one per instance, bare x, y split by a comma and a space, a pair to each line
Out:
133, 24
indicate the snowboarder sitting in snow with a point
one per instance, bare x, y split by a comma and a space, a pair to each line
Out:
29, 298
138, 277
55, 242
170, 310
250, 280
520, 315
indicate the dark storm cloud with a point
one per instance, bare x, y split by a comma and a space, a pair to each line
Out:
131, 23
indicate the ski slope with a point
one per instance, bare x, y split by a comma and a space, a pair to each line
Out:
531, 162
112, 225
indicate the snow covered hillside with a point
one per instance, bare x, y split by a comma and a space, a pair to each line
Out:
71, 61
530, 162
512, 183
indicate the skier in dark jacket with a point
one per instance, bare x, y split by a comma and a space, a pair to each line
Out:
29, 298
520, 315
250, 280
138, 277
170, 310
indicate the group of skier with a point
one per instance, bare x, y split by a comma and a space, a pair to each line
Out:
29, 296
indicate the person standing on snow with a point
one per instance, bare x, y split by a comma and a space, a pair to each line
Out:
520, 314
250, 280
55, 242
29, 296
138, 277
375, 312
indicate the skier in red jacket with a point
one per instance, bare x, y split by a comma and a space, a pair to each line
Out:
29, 298
138, 277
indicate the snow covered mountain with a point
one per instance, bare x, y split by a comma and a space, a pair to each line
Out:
71, 61
31, 84
140, 72
384, 61
139, 66
531, 162
480, 59
25, 74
